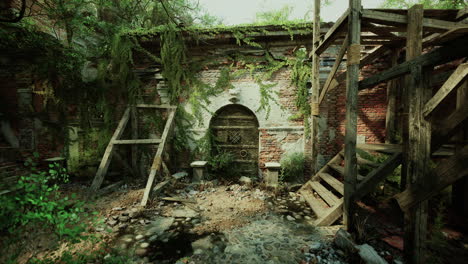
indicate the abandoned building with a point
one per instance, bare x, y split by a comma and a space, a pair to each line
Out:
188, 157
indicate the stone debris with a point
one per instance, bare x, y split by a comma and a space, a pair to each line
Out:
369, 255
245, 180
180, 175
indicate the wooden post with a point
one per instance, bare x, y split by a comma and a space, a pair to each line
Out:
418, 142
134, 118
352, 83
460, 188
315, 87
392, 91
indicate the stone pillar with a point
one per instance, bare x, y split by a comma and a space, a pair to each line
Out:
271, 178
198, 170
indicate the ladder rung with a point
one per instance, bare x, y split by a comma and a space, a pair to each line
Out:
333, 182
326, 195
156, 106
136, 141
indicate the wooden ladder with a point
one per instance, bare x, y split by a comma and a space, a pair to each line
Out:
324, 192
157, 163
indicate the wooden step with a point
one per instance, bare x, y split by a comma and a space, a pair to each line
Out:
325, 194
331, 214
340, 170
333, 182
317, 205
362, 161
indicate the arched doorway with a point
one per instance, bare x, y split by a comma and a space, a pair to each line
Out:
235, 129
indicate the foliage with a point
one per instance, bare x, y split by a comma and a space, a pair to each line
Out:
292, 167
38, 202
437, 4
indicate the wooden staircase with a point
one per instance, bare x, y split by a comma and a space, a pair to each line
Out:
157, 163
325, 191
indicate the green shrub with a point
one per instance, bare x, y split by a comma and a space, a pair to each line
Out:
38, 203
292, 167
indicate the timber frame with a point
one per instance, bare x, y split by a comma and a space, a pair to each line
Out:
430, 43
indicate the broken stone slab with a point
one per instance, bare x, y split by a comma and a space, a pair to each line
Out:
179, 175
184, 213
369, 255
159, 225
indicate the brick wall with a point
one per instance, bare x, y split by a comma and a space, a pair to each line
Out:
371, 114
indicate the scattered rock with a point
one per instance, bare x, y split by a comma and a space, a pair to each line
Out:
140, 252
124, 219
144, 245
245, 180
290, 218
203, 243
139, 237
369, 255
112, 222
158, 226
179, 175
118, 208
184, 213
315, 246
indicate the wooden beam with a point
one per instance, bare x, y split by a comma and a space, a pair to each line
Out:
444, 54
453, 82
377, 175
106, 159
333, 33
352, 84
137, 141
315, 105
134, 122
396, 19
460, 187
462, 14
385, 148
447, 172
418, 150
333, 71
446, 37
392, 92
157, 161
448, 127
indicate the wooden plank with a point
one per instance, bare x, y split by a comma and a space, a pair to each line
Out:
325, 194
156, 106
418, 150
109, 189
339, 169
106, 159
462, 14
380, 147
332, 33
446, 37
392, 91
362, 161
315, 204
179, 199
314, 101
452, 51
156, 166
352, 84
334, 69
137, 141
331, 215
447, 172
453, 82
336, 159
395, 19
377, 175
333, 182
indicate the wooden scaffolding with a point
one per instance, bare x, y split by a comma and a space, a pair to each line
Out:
428, 39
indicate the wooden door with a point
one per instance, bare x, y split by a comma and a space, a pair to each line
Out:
235, 129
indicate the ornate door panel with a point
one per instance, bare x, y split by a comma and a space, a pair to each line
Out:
235, 129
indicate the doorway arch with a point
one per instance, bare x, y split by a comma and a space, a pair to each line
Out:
235, 130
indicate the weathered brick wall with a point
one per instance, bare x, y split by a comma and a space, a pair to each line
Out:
371, 114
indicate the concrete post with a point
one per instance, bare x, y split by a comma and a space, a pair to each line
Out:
271, 178
198, 170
